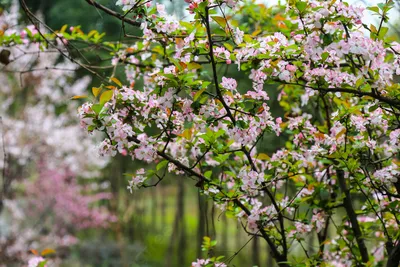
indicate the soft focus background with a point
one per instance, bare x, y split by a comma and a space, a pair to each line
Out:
59, 198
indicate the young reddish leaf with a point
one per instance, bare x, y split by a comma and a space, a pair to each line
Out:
179, 42
279, 17
183, 65
187, 134
34, 251
48, 251
129, 50
79, 97
339, 134
256, 32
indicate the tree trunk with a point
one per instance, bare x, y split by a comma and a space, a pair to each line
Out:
394, 257
201, 223
163, 206
256, 252
178, 232
225, 233
154, 208
182, 227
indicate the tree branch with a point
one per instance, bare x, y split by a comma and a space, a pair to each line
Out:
113, 13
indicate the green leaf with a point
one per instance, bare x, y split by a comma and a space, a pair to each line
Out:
63, 28
91, 33
198, 93
186, 24
292, 47
352, 164
91, 128
208, 174
161, 165
327, 38
205, 84
373, 108
382, 33
193, 66
222, 158
247, 38
324, 56
230, 174
228, 46
381, 6
366, 87
374, 9
301, 6
241, 124
220, 20
97, 108
206, 243
359, 82
106, 96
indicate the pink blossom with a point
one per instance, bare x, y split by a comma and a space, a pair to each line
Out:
34, 262
229, 83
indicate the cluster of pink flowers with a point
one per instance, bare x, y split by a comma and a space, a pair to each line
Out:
137, 180
35, 261
128, 4
60, 192
207, 263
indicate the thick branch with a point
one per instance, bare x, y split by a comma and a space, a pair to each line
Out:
394, 257
347, 202
113, 13
387, 100
214, 67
